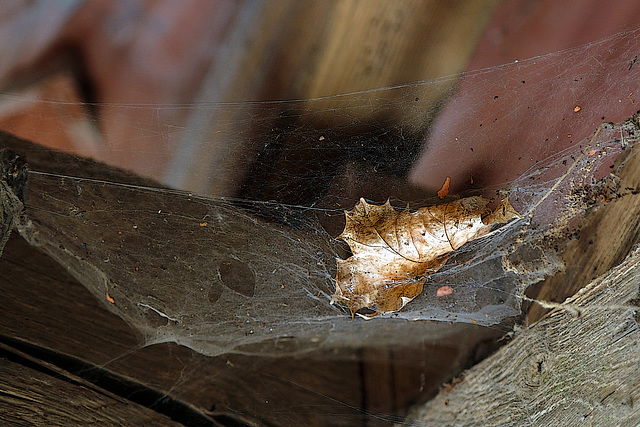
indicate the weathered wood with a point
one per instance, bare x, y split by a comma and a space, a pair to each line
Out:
602, 243
13, 175
44, 306
577, 365
31, 397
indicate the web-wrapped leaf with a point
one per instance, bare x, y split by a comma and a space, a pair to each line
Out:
394, 250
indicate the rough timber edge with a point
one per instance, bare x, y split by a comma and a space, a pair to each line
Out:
13, 176
577, 364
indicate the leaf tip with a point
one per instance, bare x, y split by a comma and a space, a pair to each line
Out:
444, 190
502, 214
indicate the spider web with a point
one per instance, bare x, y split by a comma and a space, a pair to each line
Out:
244, 260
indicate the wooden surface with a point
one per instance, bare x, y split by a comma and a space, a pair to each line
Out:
578, 365
32, 397
50, 315
45, 307
604, 241
232, 51
295, 50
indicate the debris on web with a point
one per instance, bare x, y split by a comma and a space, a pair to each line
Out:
207, 274
394, 251
251, 267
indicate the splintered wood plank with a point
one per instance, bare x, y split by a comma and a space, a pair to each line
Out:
31, 397
604, 241
577, 365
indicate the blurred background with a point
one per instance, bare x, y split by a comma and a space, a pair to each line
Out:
141, 84
69, 68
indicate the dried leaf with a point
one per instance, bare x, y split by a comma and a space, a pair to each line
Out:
442, 193
393, 250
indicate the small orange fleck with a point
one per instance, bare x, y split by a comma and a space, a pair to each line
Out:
444, 291
445, 188
569, 135
592, 152
577, 108
471, 180
111, 300
203, 224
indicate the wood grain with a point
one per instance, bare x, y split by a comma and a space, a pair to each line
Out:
603, 242
577, 365
31, 397
44, 307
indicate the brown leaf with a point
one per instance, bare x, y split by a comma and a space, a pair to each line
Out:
393, 250
445, 188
